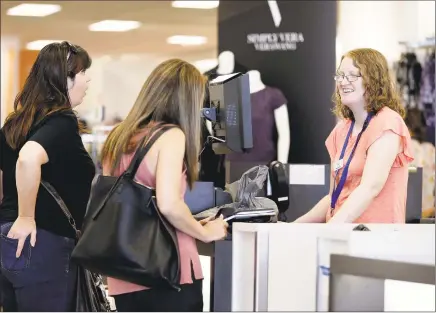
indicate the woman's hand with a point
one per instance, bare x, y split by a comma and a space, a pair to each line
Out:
206, 220
23, 227
216, 229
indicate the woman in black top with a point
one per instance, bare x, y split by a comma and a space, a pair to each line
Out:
41, 140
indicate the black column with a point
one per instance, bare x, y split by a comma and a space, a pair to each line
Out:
294, 51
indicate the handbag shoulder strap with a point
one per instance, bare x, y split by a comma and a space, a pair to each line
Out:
133, 167
142, 152
62, 205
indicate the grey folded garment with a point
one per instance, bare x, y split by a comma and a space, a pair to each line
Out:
264, 203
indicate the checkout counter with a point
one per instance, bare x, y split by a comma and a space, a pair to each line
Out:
293, 248
391, 285
283, 266
286, 267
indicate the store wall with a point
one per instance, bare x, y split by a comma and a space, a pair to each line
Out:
117, 79
9, 74
26, 58
426, 18
383, 24
302, 68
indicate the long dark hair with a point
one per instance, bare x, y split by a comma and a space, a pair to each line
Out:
45, 90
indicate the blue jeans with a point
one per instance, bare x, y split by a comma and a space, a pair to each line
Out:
42, 278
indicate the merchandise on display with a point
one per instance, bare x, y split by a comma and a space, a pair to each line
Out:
269, 113
271, 129
416, 82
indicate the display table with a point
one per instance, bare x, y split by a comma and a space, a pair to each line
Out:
279, 267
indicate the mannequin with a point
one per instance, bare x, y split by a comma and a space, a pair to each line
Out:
269, 111
281, 119
226, 63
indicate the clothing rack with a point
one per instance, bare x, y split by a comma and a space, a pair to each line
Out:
428, 43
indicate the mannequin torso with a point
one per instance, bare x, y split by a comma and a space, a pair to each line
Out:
281, 118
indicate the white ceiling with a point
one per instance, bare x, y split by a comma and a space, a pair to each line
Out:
159, 21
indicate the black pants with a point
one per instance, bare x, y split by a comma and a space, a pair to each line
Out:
188, 299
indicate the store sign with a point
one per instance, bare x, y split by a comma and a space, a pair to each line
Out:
287, 41
275, 12
277, 41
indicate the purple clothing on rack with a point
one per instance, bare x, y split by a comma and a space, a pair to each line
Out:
428, 82
427, 97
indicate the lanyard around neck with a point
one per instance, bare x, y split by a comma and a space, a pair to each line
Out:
337, 190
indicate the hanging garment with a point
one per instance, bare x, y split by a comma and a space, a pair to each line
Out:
427, 97
263, 105
428, 81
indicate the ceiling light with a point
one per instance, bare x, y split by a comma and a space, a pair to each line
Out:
34, 9
39, 44
187, 40
113, 26
196, 4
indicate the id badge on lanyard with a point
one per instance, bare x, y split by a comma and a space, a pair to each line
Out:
338, 165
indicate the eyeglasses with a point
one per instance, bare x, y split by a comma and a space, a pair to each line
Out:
350, 78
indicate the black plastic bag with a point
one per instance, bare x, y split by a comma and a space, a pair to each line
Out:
90, 296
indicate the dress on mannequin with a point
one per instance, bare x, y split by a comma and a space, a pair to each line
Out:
268, 112
211, 165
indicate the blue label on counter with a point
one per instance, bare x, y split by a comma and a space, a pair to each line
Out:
325, 270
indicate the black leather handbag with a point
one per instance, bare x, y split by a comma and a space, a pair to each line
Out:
124, 235
90, 294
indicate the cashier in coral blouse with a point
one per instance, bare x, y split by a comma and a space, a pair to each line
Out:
370, 147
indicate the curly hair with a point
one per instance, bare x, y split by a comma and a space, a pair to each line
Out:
380, 88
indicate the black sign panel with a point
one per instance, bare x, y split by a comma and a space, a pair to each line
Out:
292, 45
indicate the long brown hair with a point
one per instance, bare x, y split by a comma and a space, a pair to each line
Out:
45, 91
172, 94
380, 89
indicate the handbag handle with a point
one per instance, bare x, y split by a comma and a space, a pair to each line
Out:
142, 152
62, 205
